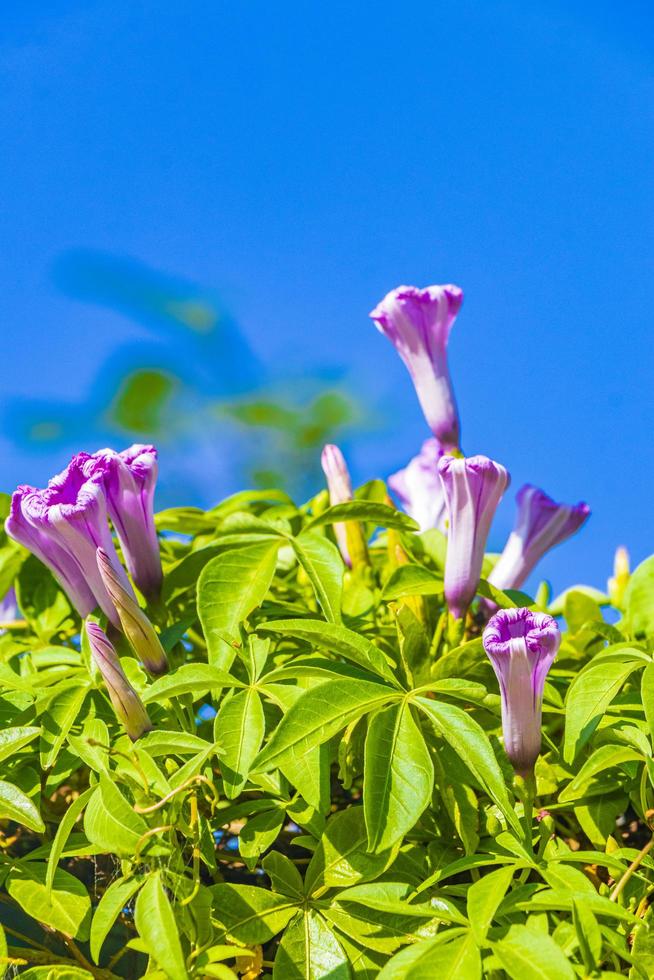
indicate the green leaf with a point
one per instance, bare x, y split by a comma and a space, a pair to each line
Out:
322, 562
449, 956
63, 832
470, 742
588, 935
249, 914
412, 580
57, 971
342, 857
398, 776
484, 898
194, 679
643, 949
309, 950
639, 598
67, 907
238, 730
336, 639
589, 696
318, 715
647, 695
58, 721
379, 916
381, 515
532, 955
13, 739
159, 743
156, 925
114, 900
230, 588
15, 805
604, 758
110, 821
259, 833
283, 874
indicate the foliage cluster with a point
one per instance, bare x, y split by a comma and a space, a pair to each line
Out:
324, 793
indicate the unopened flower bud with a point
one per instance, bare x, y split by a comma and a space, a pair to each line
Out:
129, 708
137, 627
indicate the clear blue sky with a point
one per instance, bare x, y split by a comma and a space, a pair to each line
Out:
304, 158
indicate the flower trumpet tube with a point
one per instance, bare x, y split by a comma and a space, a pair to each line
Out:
349, 534
419, 489
137, 627
64, 525
129, 480
473, 488
129, 708
521, 646
540, 524
418, 324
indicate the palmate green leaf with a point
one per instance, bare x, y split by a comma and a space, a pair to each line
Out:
336, 639
309, 950
194, 679
110, 821
230, 587
318, 715
379, 917
63, 831
157, 927
250, 915
238, 730
322, 562
398, 776
470, 742
590, 694
13, 739
532, 955
16, 805
114, 900
368, 511
451, 955
66, 907
342, 857
484, 898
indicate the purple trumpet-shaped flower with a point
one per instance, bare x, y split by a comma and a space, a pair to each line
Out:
137, 627
521, 646
339, 485
419, 489
129, 708
129, 480
473, 488
418, 324
64, 525
540, 524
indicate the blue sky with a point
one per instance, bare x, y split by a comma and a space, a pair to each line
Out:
302, 159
